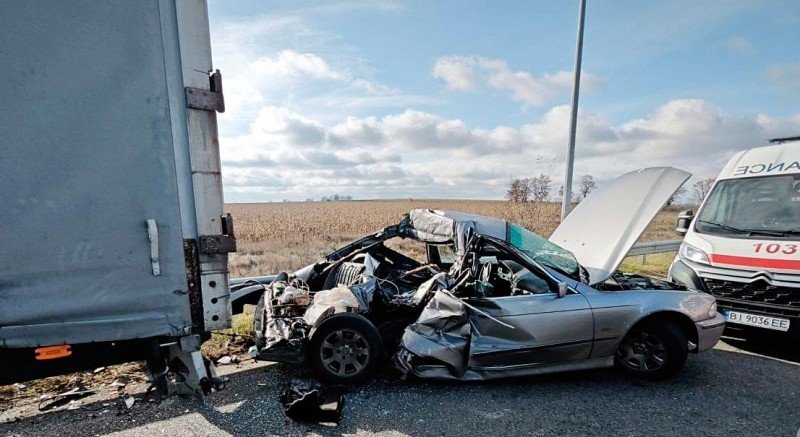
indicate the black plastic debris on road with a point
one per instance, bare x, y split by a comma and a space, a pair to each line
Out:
306, 400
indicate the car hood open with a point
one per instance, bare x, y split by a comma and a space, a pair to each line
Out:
601, 230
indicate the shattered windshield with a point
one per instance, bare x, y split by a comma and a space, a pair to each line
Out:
543, 251
754, 206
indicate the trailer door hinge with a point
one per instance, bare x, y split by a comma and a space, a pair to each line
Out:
152, 235
224, 243
211, 99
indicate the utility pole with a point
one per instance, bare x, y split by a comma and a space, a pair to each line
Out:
573, 123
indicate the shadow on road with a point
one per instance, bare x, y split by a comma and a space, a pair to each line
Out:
772, 345
597, 402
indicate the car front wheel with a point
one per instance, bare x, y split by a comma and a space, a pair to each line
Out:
655, 349
345, 349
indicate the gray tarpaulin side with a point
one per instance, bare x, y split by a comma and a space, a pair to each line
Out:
87, 158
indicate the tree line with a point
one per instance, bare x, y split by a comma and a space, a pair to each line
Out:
538, 188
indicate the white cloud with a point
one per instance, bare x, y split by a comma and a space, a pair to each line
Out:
419, 154
355, 131
738, 45
464, 73
786, 75
292, 64
304, 81
279, 126
457, 71
285, 59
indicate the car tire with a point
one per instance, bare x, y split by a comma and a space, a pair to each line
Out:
345, 349
258, 323
654, 350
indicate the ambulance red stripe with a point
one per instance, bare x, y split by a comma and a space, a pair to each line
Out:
787, 264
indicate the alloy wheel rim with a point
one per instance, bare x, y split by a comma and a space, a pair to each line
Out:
344, 352
643, 352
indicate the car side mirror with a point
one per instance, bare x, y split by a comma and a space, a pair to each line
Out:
684, 221
563, 288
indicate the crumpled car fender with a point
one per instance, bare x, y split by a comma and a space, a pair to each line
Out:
441, 332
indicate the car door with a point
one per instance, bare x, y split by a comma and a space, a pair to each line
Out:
530, 329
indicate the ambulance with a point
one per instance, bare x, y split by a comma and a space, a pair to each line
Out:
743, 245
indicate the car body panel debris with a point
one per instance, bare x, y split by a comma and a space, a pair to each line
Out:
492, 299
78, 391
309, 401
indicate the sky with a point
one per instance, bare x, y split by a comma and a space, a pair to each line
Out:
452, 99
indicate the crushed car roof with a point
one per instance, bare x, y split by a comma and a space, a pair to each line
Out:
435, 226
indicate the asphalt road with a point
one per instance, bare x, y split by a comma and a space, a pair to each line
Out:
726, 391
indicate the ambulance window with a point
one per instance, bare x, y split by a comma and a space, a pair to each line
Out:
737, 206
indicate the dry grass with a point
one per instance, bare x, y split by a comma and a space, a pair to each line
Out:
234, 341
654, 265
127, 373
276, 237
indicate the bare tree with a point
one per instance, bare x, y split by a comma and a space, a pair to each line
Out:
586, 186
677, 195
701, 188
540, 187
518, 191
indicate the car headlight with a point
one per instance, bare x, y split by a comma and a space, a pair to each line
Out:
691, 253
712, 312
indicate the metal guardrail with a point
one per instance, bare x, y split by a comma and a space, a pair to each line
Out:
644, 249
655, 247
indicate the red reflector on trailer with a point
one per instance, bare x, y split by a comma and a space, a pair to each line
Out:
53, 352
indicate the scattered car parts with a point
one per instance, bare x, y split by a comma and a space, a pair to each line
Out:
306, 400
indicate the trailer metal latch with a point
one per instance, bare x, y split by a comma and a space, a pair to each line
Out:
224, 243
211, 99
152, 235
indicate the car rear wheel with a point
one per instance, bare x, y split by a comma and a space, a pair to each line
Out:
653, 350
345, 349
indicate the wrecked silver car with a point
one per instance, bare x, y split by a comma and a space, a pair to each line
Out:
492, 299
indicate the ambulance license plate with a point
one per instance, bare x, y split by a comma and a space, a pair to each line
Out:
774, 323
